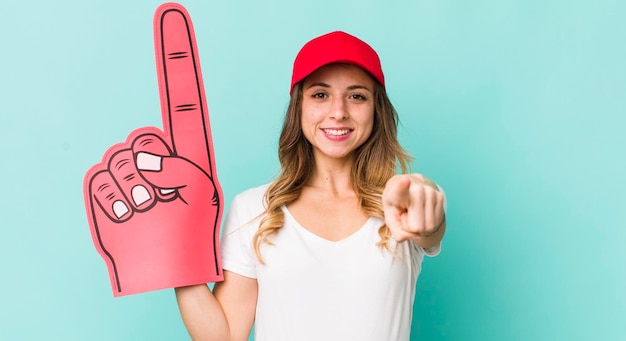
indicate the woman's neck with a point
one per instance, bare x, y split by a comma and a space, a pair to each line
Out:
334, 176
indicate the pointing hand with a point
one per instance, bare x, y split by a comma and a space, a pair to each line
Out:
413, 207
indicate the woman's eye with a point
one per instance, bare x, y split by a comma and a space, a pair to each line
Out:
319, 95
358, 97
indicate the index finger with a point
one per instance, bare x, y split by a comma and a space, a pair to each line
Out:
396, 192
183, 103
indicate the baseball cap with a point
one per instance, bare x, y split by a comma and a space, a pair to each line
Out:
336, 47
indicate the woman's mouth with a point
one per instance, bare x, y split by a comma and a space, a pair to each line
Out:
336, 132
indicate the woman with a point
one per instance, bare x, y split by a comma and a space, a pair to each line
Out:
331, 250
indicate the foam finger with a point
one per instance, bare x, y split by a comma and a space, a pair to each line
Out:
109, 197
139, 193
183, 102
152, 144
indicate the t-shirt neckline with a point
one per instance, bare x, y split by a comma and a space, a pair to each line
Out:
312, 235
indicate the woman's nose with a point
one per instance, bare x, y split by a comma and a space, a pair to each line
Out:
339, 109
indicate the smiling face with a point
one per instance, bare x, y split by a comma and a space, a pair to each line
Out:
337, 110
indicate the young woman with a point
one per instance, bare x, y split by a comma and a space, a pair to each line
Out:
331, 250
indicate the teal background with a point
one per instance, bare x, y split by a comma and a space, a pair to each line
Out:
517, 108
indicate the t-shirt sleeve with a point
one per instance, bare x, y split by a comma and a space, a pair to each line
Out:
236, 243
432, 251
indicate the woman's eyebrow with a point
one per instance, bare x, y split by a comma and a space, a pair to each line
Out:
322, 84
357, 86
351, 87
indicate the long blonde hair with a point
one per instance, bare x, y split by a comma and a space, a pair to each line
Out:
376, 161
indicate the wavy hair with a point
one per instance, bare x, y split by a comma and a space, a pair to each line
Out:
376, 161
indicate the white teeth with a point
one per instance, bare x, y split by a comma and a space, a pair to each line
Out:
336, 132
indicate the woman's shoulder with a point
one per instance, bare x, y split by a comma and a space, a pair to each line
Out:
254, 194
250, 202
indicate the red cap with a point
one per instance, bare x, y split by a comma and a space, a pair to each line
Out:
336, 47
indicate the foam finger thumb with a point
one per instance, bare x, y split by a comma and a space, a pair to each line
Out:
172, 172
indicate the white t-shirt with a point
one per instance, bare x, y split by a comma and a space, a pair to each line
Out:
311, 288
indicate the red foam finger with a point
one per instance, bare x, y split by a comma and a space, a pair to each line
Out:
153, 144
183, 103
139, 193
173, 243
104, 192
151, 239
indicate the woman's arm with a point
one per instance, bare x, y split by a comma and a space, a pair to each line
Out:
226, 314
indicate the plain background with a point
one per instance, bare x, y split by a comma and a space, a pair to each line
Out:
517, 108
